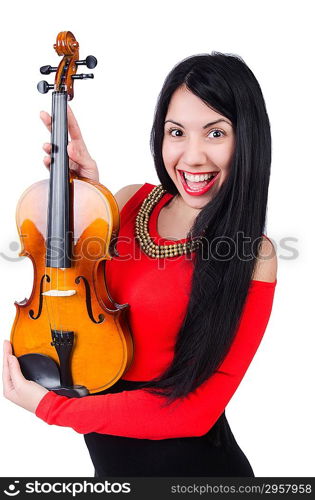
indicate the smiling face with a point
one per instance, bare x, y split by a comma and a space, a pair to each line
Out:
197, 141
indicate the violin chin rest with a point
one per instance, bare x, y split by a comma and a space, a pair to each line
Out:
45, 371
41, 369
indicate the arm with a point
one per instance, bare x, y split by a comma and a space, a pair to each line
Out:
125, 193
139, 414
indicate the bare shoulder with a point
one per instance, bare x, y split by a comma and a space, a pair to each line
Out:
267, 262
125, 193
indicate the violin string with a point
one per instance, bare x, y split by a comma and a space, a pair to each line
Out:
59, 269
67, 246
52, 236
63, 117
48, 300
54, 270
65, 242
52, 303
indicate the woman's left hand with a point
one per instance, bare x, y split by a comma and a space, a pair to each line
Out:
16, 388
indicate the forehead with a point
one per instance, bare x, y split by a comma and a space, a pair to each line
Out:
186, 107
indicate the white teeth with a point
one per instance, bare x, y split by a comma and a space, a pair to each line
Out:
198, 178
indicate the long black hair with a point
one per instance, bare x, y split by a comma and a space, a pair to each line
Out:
231, 224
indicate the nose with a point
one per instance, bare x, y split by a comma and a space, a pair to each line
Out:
194, 153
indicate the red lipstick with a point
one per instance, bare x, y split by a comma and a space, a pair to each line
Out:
201, 191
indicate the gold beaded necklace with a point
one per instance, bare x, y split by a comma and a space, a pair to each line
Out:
142, 230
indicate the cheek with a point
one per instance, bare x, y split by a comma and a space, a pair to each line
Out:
223, 157
170, 154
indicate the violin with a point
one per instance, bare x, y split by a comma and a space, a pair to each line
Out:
70, 335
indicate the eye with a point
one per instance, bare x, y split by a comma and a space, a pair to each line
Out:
216, 134
171, 130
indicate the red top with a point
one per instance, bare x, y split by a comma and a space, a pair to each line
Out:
157, 291
148, 286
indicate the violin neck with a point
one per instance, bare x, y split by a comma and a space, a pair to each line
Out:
58, 243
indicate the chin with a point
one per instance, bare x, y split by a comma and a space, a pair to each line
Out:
194, 201
198, 203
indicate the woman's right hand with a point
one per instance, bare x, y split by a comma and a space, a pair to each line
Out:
80, 160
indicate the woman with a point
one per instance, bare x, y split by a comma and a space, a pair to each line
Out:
199, 277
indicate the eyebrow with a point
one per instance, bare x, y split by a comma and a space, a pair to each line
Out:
205, 126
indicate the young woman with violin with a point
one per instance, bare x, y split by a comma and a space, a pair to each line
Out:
199, 276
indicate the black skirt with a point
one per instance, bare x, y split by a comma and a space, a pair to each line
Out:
215, 454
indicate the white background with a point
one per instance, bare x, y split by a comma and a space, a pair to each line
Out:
137, 44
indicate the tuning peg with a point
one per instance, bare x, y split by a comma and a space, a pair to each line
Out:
82, 76
43, 87
90, 62
46, 70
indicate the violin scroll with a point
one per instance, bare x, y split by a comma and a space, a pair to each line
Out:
67, 46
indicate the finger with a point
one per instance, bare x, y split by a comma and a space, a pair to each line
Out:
46, 119
7, 347
78, 154
47, 148
46, 161
74, 129
74, 153
6, 378
15, 371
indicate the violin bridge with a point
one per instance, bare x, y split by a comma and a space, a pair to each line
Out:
59, 293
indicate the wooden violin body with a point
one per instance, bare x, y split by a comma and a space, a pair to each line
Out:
67, 226
102, 348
